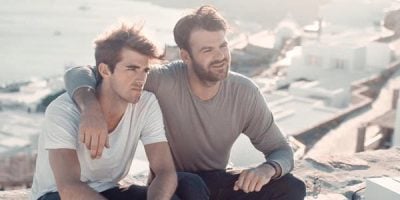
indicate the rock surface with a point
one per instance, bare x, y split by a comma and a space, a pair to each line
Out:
327, 177
346, 174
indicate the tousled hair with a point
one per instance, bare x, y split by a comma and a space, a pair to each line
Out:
206, 17
108, 46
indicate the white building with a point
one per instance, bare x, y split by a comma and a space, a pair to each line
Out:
335, 61
352, 51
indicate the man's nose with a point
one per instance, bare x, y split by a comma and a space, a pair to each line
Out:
140, 82
219, 55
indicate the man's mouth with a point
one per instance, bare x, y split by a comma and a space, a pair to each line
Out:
137, 89
218, 65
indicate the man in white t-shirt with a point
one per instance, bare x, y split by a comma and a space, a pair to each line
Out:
64, 167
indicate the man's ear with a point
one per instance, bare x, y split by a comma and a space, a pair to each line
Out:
185, 56
104, 71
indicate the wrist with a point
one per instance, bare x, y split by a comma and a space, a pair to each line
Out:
275, 168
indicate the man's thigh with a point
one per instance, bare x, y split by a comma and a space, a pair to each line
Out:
191, 187
132, 192
50, 196
220, 184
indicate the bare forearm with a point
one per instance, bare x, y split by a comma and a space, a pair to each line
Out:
79, 191
85, 98
163, 186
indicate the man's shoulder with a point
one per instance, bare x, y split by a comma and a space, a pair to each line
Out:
240, 81
147, 96
175, 65
169, 68
146, 99
62, 104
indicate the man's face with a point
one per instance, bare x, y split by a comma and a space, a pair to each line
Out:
129, 75
209, 53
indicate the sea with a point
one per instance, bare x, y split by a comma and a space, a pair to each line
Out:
41, 38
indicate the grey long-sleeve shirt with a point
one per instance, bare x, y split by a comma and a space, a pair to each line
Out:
201, 133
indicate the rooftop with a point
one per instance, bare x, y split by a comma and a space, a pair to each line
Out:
289, 112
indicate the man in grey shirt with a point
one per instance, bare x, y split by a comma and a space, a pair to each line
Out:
205, 107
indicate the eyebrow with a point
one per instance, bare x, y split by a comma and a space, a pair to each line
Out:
209, 47
204, 48
224, 43
136, 67
132, 66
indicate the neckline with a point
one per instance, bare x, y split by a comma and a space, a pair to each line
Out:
128, 108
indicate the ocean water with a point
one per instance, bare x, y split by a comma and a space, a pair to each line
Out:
39, 38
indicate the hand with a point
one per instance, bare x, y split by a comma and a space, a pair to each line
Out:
253, 179
93, 131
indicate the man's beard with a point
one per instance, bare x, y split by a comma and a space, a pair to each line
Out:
203, 74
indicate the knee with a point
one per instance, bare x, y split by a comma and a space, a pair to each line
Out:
297, 188
191, 186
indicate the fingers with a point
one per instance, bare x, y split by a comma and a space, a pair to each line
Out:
260, 184
252, 184
107, 143
247, 181
87, 140
93, 130
239, 182
250, 181
102, 143
81, 135
94, 143
236, 186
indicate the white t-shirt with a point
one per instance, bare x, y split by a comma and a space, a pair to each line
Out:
142, 120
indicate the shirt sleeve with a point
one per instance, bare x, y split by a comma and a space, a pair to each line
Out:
60, 128
153, 79
153, 130
78, 77
162, 77
265, 134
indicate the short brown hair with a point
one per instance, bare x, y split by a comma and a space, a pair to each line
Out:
108, 46
206, 17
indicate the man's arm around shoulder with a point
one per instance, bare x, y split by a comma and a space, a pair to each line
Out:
80, 83
164, 183
66, 169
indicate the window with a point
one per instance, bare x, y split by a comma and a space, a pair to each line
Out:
313, 60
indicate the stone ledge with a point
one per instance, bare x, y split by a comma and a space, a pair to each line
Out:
21, 194
346, 174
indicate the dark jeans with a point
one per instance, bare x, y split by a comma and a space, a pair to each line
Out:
220, 184
190, 187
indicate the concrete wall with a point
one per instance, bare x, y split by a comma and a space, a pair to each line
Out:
377, 55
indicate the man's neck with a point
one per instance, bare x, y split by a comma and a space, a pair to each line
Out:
203, 89
113, 108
